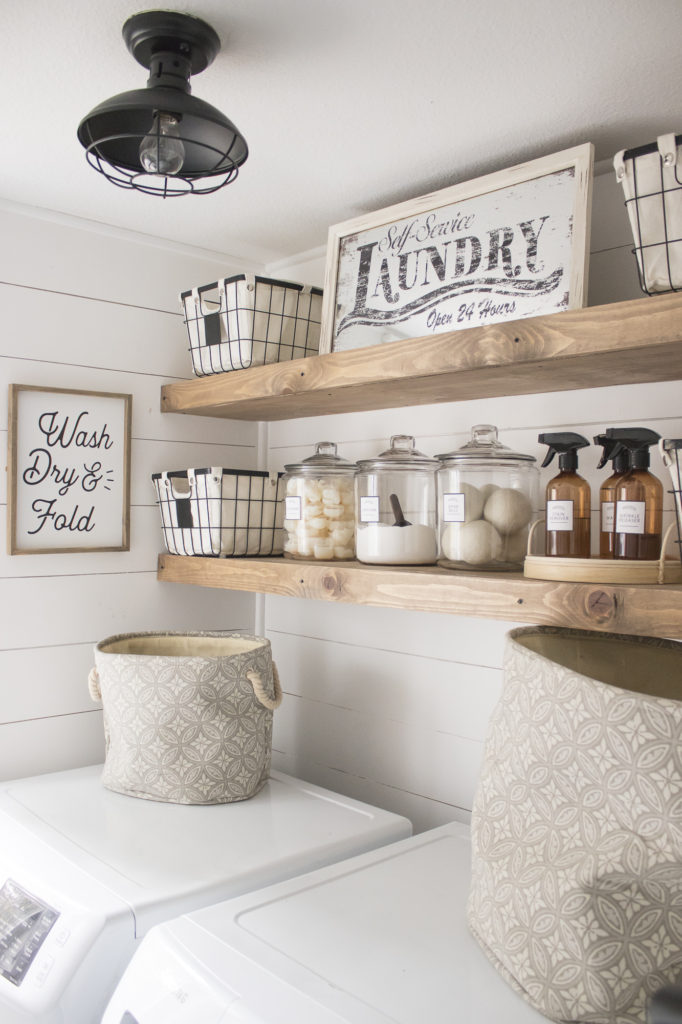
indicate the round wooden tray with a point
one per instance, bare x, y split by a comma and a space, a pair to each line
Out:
602, 570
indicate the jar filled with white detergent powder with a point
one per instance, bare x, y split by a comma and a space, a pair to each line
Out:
487, 499
319, 520
395, 506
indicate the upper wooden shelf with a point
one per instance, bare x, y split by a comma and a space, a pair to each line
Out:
644, 609
620, 343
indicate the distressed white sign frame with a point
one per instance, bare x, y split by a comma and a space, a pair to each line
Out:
505, 246
69, 470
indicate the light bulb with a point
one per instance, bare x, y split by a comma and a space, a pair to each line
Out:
161, 150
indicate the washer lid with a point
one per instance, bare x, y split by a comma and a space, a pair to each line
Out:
378, 938
151, 853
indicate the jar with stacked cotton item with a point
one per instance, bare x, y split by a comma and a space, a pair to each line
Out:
319, 520
487, 497
396, 506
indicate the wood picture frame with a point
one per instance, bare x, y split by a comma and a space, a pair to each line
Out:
69, 470
505, 246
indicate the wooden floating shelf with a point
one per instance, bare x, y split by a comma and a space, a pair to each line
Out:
630, 342
642, 609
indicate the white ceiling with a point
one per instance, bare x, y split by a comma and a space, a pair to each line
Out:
347, 105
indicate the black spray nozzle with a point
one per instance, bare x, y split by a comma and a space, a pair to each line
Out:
613, 452
566, 445
637, 441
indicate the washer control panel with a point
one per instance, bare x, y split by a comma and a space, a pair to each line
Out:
25, 922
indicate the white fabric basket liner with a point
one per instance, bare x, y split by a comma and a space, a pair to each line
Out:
652, 183
245, 321
216, 511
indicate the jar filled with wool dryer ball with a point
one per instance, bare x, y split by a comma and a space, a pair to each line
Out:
487, 498
396, 506
319, 519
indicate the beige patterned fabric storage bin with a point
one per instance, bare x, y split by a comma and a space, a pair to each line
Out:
576, 890
187, 716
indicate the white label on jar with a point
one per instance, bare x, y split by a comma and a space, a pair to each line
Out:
630, 516
292, 507
453, 508
608, 509
369, 509
560, 515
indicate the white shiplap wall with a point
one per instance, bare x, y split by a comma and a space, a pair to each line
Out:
87, 307
392, 706
388, 706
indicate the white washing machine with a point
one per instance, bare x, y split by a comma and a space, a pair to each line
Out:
379, 938
85, 872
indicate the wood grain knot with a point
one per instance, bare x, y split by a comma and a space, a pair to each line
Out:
601, 605
331, 584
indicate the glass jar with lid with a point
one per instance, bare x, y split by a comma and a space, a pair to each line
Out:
319, 520
487, 498
395, 506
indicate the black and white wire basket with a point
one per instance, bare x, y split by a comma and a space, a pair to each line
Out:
245, 321
651, 177
228, 512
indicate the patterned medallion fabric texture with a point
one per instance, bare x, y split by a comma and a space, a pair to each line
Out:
576, 888
187, 716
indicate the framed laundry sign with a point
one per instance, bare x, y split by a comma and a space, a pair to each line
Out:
69, 470
509, 245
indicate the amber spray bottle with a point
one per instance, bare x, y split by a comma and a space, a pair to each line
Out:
618, 456
567, 506
639, 498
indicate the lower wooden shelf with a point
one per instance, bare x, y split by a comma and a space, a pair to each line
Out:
642, 609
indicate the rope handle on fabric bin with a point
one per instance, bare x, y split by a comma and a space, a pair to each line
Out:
93, 684
254, 678
261, 694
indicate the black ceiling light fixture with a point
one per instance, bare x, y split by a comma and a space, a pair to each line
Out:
162, 140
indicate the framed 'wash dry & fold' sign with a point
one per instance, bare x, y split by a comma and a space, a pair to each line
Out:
69, 470
506, 246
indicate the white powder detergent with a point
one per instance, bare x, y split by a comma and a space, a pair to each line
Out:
384, 544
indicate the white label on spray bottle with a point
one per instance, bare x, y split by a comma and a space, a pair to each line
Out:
453, 508
560, 515
630, 516
608, 509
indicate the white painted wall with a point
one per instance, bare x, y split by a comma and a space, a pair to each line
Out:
392, 706
86, 307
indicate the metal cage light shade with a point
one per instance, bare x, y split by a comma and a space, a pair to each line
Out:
188, 146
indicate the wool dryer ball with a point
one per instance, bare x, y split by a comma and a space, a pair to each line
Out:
475, 543
486, 490
508, 510
473, 502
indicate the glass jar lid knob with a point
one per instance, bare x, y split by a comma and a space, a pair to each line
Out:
484, 433
402, 443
